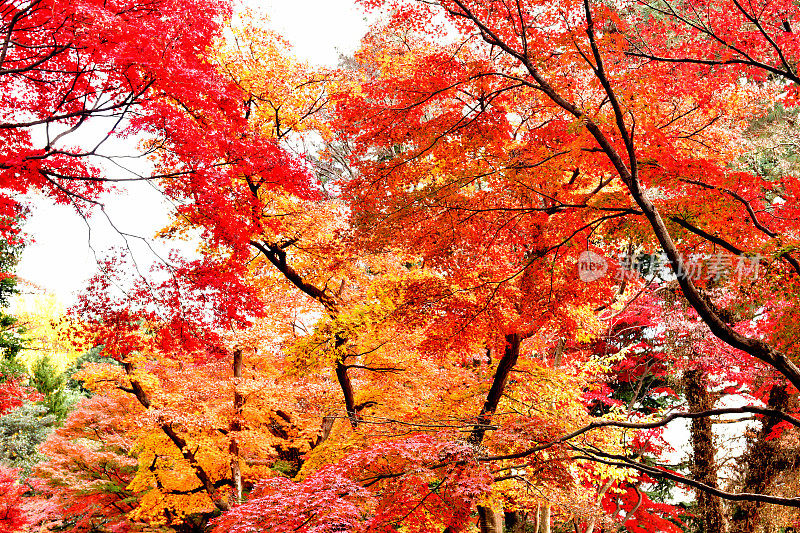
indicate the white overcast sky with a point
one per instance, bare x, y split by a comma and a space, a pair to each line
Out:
61, 258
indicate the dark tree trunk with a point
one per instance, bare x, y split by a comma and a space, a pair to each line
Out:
236, 427
515, 521
504, 367
704, 466
764, 460
491, 521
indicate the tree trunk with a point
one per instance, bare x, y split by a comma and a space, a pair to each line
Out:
236, 427
491, 521
488, 517
764, 461
544, 518
515, 521
704, 466
504, 367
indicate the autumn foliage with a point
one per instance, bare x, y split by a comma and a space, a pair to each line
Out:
469, 277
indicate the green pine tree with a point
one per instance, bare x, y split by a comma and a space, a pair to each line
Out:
51, 384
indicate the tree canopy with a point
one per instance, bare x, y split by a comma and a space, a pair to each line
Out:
472, 278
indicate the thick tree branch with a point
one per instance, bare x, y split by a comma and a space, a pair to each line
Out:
707, 236
646, 425
504, 367
277, 256
177, 440
625, 462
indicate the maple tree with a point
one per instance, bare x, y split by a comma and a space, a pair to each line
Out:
88, 468
70, 68
12, 512
12, 515
581, 112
